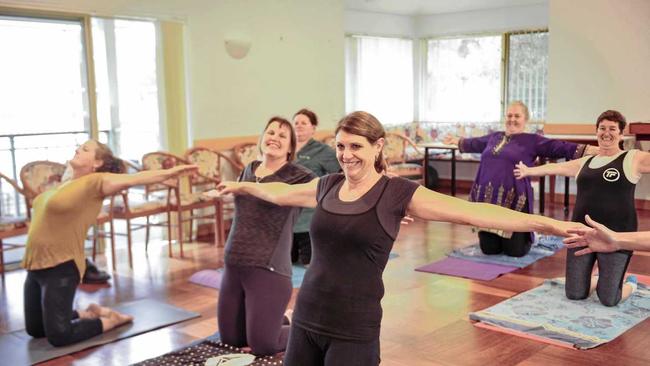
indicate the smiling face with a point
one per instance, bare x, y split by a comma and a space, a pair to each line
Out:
303, 127
276, 141
608, 134
515, 119
356, 154
85, 158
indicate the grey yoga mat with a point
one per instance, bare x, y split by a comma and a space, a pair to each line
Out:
18, 348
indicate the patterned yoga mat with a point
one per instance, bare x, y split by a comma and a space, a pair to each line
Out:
211, 352
544, 247
544, 313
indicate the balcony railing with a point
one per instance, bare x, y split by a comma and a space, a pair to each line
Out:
16, 150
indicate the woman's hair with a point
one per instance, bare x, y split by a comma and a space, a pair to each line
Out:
614, 116
521, 104
365, 124
292, 136
111, 164
313, 119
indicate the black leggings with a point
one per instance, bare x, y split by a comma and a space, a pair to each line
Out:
251, 309
310, 349
49, 294
611, 272
517, 246
301, 248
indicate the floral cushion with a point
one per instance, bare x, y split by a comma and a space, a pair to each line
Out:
8, 223
208, 163
247, 153
40, 177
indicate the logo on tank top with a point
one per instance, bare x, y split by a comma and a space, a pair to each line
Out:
611, 175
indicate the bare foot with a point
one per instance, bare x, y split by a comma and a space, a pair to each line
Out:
288, 315
114, 320
86, 314
98, 310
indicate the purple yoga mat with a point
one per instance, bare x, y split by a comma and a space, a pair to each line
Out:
208, 278
468, 269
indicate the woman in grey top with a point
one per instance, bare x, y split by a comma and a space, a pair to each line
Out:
256, 285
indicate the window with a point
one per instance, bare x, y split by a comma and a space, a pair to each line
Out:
127, 88
379, 77
462, 80
45, 101
528, 71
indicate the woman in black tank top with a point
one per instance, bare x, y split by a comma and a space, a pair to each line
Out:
338, 312
606, 185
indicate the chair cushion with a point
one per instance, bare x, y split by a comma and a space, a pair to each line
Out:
12, 222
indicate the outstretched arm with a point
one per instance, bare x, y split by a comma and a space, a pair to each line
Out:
300, 195
599, 238
568, 168
641, 163
113, 183
430, 205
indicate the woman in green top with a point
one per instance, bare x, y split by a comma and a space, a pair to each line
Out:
320, 159
54, 257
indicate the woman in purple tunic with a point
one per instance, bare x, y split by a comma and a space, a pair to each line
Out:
338, 312
495, 182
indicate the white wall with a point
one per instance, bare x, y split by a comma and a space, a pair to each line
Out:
378, 24
599, 59
482, 21
296, 58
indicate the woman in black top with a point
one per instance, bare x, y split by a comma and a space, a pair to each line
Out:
606, 184
338, 312
256, 285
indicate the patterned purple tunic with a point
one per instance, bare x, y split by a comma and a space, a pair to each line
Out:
495, 181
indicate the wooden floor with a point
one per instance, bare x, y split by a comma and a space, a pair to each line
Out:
425, 316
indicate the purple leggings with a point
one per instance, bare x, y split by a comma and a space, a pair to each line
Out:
252, 302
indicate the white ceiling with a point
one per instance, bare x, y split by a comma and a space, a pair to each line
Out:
427, 7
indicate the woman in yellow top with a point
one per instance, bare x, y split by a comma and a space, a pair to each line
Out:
54, 257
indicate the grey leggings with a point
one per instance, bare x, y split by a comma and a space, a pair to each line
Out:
611, 272
252, 302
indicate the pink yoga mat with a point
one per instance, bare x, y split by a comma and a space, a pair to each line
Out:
467, 269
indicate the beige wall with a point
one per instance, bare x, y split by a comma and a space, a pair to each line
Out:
599, 58
296, 60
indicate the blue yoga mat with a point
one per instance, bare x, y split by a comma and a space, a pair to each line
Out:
212, 277
544, 247
545, 312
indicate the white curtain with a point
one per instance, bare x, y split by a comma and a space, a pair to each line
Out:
379, 77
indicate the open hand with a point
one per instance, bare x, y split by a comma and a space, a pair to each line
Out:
521, 170
598, 238
222, 189
450, 139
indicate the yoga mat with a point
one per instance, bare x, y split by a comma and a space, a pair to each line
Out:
546, 246
212, 277
18, 348
467, 269
204, 350
545, 314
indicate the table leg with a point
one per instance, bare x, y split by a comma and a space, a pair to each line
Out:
453, 172
426, 167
